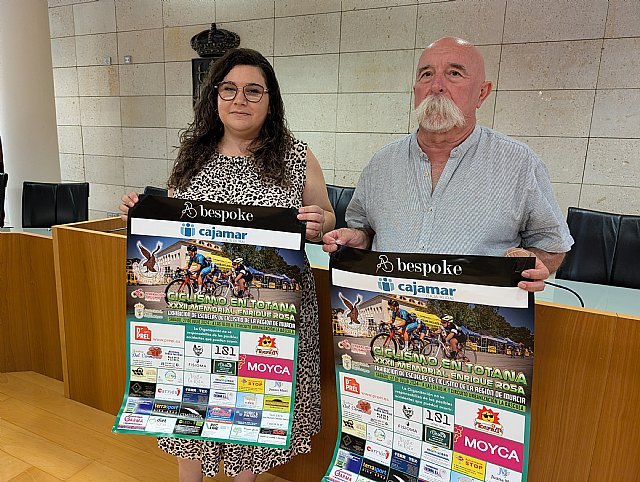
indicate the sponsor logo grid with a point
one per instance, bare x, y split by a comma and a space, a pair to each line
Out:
237, 392
386, 438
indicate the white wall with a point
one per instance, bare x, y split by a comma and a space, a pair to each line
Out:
566, 77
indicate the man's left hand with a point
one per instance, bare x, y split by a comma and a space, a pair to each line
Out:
537, 275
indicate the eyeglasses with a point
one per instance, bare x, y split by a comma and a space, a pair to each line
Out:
252, 92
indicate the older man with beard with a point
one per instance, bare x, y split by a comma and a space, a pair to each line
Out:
454, 187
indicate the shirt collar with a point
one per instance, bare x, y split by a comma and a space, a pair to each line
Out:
459, 151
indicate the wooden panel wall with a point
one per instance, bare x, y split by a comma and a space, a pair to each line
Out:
29, 336
90, 271
585, 423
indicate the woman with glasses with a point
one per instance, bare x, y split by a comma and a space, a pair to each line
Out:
239, 151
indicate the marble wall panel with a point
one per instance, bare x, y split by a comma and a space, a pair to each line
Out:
95, 49
139, 14
94, 17
144, 46
307, 74
100, 111
102, 141
104, 169
548, 20
478, 21
309, 34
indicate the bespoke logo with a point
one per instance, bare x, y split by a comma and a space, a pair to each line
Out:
187, 229
191, 211
384, 264
430, 268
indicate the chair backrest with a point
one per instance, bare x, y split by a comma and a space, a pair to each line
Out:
339, 197
591, 257
45, 204
156, 191
4, 178
625, 265
72, 202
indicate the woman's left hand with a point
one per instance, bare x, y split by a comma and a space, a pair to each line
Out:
314, 217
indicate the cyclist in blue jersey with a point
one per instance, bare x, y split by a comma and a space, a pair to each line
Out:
400, 319
198, 265
214, 274
416, 327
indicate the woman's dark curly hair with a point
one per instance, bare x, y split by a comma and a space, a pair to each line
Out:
200, 140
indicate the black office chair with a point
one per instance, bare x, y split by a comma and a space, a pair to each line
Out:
156, 191
625, 264
339, 197
72, 202
45, 204
591, 257
4, 179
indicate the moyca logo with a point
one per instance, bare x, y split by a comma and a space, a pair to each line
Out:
187, 230
385, 284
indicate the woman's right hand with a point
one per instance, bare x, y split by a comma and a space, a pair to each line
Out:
128, 201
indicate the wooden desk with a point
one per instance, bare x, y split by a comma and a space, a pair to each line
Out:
29, 334
585, 426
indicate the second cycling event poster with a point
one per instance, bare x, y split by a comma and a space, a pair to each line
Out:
213, 307
434, 365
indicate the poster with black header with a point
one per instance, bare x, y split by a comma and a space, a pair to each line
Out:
434, 366
208, 356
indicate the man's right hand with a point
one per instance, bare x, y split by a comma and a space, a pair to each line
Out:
128, 201
354, 238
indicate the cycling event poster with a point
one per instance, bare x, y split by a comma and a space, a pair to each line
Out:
434, 365
205, 358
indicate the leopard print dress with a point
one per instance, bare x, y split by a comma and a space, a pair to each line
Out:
235, 180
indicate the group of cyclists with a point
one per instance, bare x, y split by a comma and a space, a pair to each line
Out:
409, 325
206, 271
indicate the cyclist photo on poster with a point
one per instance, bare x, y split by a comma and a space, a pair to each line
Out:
166, 271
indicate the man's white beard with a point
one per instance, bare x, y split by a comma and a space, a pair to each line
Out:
438, 113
